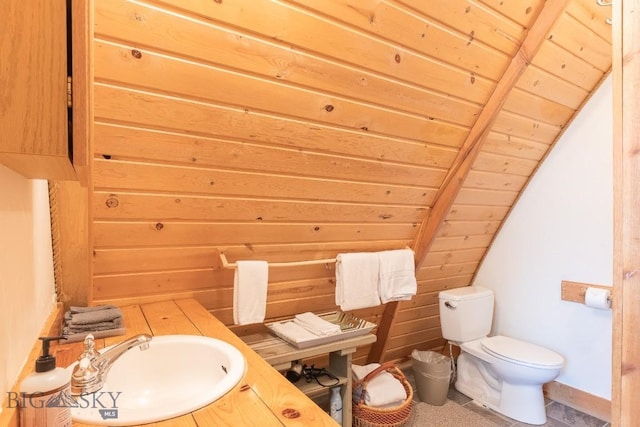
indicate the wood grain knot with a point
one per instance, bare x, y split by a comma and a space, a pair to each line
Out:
159, 226
627, 368
398, 58
136, 53
328, 108
290, 413
112, 202
245, 387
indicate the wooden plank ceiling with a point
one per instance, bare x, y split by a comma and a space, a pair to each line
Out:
299, 129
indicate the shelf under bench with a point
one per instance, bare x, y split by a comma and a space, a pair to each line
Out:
279, 354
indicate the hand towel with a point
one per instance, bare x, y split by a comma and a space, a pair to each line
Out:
82, 309
397, 281
250, 292
383, 390
316, 325
100, 326
357, 280
102, 320
92, 315
292, 332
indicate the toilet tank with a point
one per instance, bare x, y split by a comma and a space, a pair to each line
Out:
466, 313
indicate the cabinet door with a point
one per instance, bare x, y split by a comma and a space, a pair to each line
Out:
33, 88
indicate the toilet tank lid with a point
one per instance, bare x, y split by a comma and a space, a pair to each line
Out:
465, 293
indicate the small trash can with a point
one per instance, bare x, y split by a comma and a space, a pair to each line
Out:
432, 372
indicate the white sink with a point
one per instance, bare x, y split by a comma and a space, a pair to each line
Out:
176, 375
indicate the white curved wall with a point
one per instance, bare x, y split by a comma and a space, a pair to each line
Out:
562, 229
27, 288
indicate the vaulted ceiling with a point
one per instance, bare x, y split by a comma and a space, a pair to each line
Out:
299, 129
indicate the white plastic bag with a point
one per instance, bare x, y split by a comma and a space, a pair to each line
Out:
430, 357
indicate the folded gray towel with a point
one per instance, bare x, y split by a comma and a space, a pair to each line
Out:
78, 309
100, 326
101, 321
89, 317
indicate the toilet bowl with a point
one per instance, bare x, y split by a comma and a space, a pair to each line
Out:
509, 385
499, 372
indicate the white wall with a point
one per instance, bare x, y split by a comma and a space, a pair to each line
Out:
562, 229
27, 290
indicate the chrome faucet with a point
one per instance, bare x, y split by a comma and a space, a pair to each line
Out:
92, 368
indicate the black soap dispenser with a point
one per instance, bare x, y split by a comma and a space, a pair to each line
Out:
45, 398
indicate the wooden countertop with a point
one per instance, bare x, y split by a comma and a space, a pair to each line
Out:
262, 398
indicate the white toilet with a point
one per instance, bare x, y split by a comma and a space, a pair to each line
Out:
502, 373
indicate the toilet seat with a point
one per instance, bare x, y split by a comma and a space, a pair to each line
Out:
522, 353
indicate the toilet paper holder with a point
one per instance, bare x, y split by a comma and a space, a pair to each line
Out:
577, 291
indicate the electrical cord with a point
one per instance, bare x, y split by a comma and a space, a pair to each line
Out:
313, 373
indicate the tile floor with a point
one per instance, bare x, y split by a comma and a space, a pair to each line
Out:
558, 415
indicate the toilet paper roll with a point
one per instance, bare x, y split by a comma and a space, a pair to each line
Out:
597, 298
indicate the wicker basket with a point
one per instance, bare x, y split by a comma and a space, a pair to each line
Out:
368, 416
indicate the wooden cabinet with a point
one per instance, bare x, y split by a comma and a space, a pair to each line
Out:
33, 89
280, 354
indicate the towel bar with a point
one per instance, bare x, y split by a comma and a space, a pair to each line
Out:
231, 265
227, 264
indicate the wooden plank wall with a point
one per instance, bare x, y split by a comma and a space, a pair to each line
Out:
570, 64
322, 129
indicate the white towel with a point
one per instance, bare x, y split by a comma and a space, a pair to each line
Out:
292, 332
357, 280
383, 390
250, 292
397, 275
316, 325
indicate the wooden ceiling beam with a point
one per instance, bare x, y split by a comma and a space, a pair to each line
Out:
471, 146
468, 153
